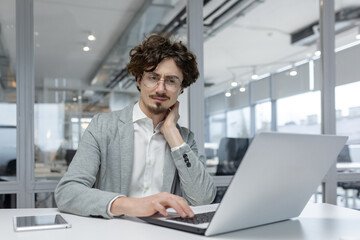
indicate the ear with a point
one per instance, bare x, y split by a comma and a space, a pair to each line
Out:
138, 79
181, 90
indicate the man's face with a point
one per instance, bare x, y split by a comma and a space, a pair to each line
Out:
160, 89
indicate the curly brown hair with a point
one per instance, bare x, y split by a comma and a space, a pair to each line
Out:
154, 49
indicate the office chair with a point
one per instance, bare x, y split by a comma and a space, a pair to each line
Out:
69, 155
11, 168
230, 153
344, 157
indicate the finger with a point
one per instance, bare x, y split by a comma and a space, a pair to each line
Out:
175, 111
160, 208
175, 204
176, 105
185, 206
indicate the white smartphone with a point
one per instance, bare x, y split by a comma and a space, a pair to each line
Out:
40, 222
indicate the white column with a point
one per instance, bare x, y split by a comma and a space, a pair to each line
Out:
25, 98
328, 119
196, 90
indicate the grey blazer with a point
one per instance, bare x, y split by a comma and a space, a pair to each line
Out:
102, 166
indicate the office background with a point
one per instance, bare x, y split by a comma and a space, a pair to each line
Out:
262, 63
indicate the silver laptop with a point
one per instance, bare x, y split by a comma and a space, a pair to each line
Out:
274, 182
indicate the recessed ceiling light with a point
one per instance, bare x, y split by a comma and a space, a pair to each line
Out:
293, 73
228, 94
317, 53
91, 37
254, 76
242, 89
86, 48
234, 84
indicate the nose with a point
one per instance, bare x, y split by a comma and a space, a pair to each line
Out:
160, 87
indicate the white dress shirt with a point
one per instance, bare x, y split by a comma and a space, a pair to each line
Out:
149, 155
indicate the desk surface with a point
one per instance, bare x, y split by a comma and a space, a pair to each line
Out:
317, 221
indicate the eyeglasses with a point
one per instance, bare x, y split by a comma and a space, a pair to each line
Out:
151, 80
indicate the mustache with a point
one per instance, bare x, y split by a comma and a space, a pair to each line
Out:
160, 95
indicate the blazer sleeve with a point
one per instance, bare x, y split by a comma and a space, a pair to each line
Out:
196, 183
75, 192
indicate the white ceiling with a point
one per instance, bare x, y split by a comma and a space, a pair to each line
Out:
260, 38
63, 26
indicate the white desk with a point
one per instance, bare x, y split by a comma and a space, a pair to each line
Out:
318, 221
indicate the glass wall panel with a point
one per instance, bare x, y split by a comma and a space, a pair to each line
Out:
299, 113
7, 91
348, 112
7, 200
217, 127
257, 61
254, 56
238, 123
347, 102
81, 52
263, 117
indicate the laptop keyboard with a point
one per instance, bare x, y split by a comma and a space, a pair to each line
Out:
197, 219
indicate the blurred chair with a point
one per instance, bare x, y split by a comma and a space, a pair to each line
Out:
69, 155
344, 157
230, 153
9, 200
11, 168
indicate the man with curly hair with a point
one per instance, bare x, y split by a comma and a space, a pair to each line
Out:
139, 161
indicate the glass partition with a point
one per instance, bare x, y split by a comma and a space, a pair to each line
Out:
347, 101
238, 123
263, 117
299, 113
81, 52
259, 71
8, 165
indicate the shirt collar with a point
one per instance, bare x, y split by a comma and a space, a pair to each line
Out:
138, 114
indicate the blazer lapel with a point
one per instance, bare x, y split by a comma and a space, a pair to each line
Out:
126, 133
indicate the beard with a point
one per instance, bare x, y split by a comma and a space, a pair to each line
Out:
159, 108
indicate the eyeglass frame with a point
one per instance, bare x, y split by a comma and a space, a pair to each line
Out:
146, 78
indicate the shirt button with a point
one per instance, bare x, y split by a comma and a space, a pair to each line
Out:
147, 188
149, 162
